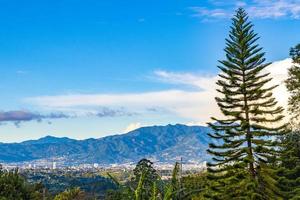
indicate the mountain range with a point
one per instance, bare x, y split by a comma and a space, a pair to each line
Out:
160, 143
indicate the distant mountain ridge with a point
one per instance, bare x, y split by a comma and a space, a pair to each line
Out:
160, 143
48, 139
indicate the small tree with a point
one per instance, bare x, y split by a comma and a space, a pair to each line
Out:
145, 167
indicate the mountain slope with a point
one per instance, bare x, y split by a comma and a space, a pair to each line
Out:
162, 143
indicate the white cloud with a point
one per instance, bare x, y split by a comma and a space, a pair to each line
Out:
275, 9
210, 13
187, 104
199, 81
279, 74
255, 8
132, 127
197, 105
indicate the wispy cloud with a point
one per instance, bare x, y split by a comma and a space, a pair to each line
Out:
19, 116
206, 13
108, 112
275, 9
200, 81
262, 9
21, 72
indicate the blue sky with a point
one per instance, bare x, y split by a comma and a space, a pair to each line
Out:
91, 68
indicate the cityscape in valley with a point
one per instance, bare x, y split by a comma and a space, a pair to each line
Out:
150, 100
187, 145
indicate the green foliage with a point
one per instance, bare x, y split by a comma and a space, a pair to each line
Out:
289, 171
145, 167
71, 194
160, 190
14, 187
138, 191
295, 53
144, 177
123, 192
154, 195
290, 161
172, 190
113, 194
141, 185
196, 186
182, 188
245, 144
93, 184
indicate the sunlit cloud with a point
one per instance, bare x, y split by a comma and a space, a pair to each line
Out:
132, 127
279, 74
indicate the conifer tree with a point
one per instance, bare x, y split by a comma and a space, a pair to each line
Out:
293, 85
290, 161
245, 139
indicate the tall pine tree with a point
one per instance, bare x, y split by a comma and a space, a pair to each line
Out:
245, 139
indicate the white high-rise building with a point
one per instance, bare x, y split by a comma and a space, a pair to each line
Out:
96, 165
54, 165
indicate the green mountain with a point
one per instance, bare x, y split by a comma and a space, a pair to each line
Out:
161, 143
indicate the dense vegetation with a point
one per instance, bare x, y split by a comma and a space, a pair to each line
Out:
255, 154
31, 184
147, 185
15, 187
57, 181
